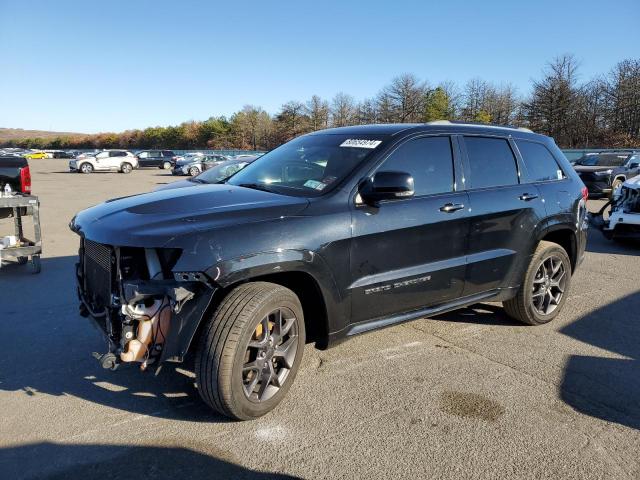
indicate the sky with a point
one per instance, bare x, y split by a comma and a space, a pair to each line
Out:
91, 66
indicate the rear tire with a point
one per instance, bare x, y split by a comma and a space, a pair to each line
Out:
126, 167
244, 343
530, 305
166, 165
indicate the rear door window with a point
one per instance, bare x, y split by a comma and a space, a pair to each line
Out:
540, 164
491, 162
428, 160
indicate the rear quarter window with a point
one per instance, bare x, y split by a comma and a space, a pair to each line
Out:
491, 162
541, 166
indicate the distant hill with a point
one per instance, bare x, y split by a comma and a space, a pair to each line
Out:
19, 133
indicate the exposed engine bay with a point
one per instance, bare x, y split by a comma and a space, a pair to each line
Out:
137, 301
624, 212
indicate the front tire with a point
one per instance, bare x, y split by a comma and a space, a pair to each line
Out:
126, 167
544, 289
251, 350
166, 165
86, 168
193, 171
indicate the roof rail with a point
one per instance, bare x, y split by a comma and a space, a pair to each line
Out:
471, 124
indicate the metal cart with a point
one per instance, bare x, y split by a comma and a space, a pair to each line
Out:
24, 248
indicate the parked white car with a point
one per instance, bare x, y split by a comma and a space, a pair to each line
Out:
105, 161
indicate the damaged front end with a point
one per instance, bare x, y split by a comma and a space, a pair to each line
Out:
148, 312
623, 219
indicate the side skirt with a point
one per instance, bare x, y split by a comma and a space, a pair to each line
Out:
377, 323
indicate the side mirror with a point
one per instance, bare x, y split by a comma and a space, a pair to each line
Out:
386, 186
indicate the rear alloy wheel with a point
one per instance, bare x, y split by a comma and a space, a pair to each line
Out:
193, 171
86, 168
126, 167
251, 350
543, 291
166, 165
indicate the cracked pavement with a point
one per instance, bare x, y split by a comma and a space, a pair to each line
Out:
468, 394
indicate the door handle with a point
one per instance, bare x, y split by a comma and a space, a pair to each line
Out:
451, 207
525, 197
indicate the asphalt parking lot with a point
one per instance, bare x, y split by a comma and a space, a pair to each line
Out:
470, 394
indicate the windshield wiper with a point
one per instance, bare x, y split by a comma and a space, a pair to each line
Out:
257, 186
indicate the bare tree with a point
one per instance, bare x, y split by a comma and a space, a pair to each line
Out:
552, 107
318, 112
406, 96
367, 111
342, 110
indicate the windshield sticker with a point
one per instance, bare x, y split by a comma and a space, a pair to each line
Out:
360, 143
314, 184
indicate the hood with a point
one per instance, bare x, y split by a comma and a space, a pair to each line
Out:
633, 183
178, 184
165, 218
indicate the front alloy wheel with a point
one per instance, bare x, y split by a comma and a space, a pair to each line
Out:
270, 355
250, 351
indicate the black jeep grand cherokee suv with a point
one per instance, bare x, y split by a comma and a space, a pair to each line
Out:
333, 234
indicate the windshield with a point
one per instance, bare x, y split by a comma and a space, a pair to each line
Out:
605, 160
307, 166
220, 172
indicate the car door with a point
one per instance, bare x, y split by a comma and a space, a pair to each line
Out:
143, 159
410, 253
102, 161
633, 166
504, 213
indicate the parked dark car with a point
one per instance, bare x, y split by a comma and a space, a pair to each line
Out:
603, 172
14, 171
62, 155
215, 174
155, 158
196, 165
330, 235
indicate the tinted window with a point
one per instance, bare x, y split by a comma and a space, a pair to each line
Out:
540, 163
167, 153
119, 153
491, 162
603, 160
429, 161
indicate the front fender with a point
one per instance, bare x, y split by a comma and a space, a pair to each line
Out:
247, 267
230, 272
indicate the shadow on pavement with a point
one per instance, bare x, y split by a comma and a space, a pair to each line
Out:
120, 462
607, 388
46, 349
482, 313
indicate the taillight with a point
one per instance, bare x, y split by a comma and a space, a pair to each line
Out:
585, 193
25, 180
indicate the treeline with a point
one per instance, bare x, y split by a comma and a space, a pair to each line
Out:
601, 112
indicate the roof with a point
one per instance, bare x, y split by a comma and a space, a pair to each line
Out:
437, 126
